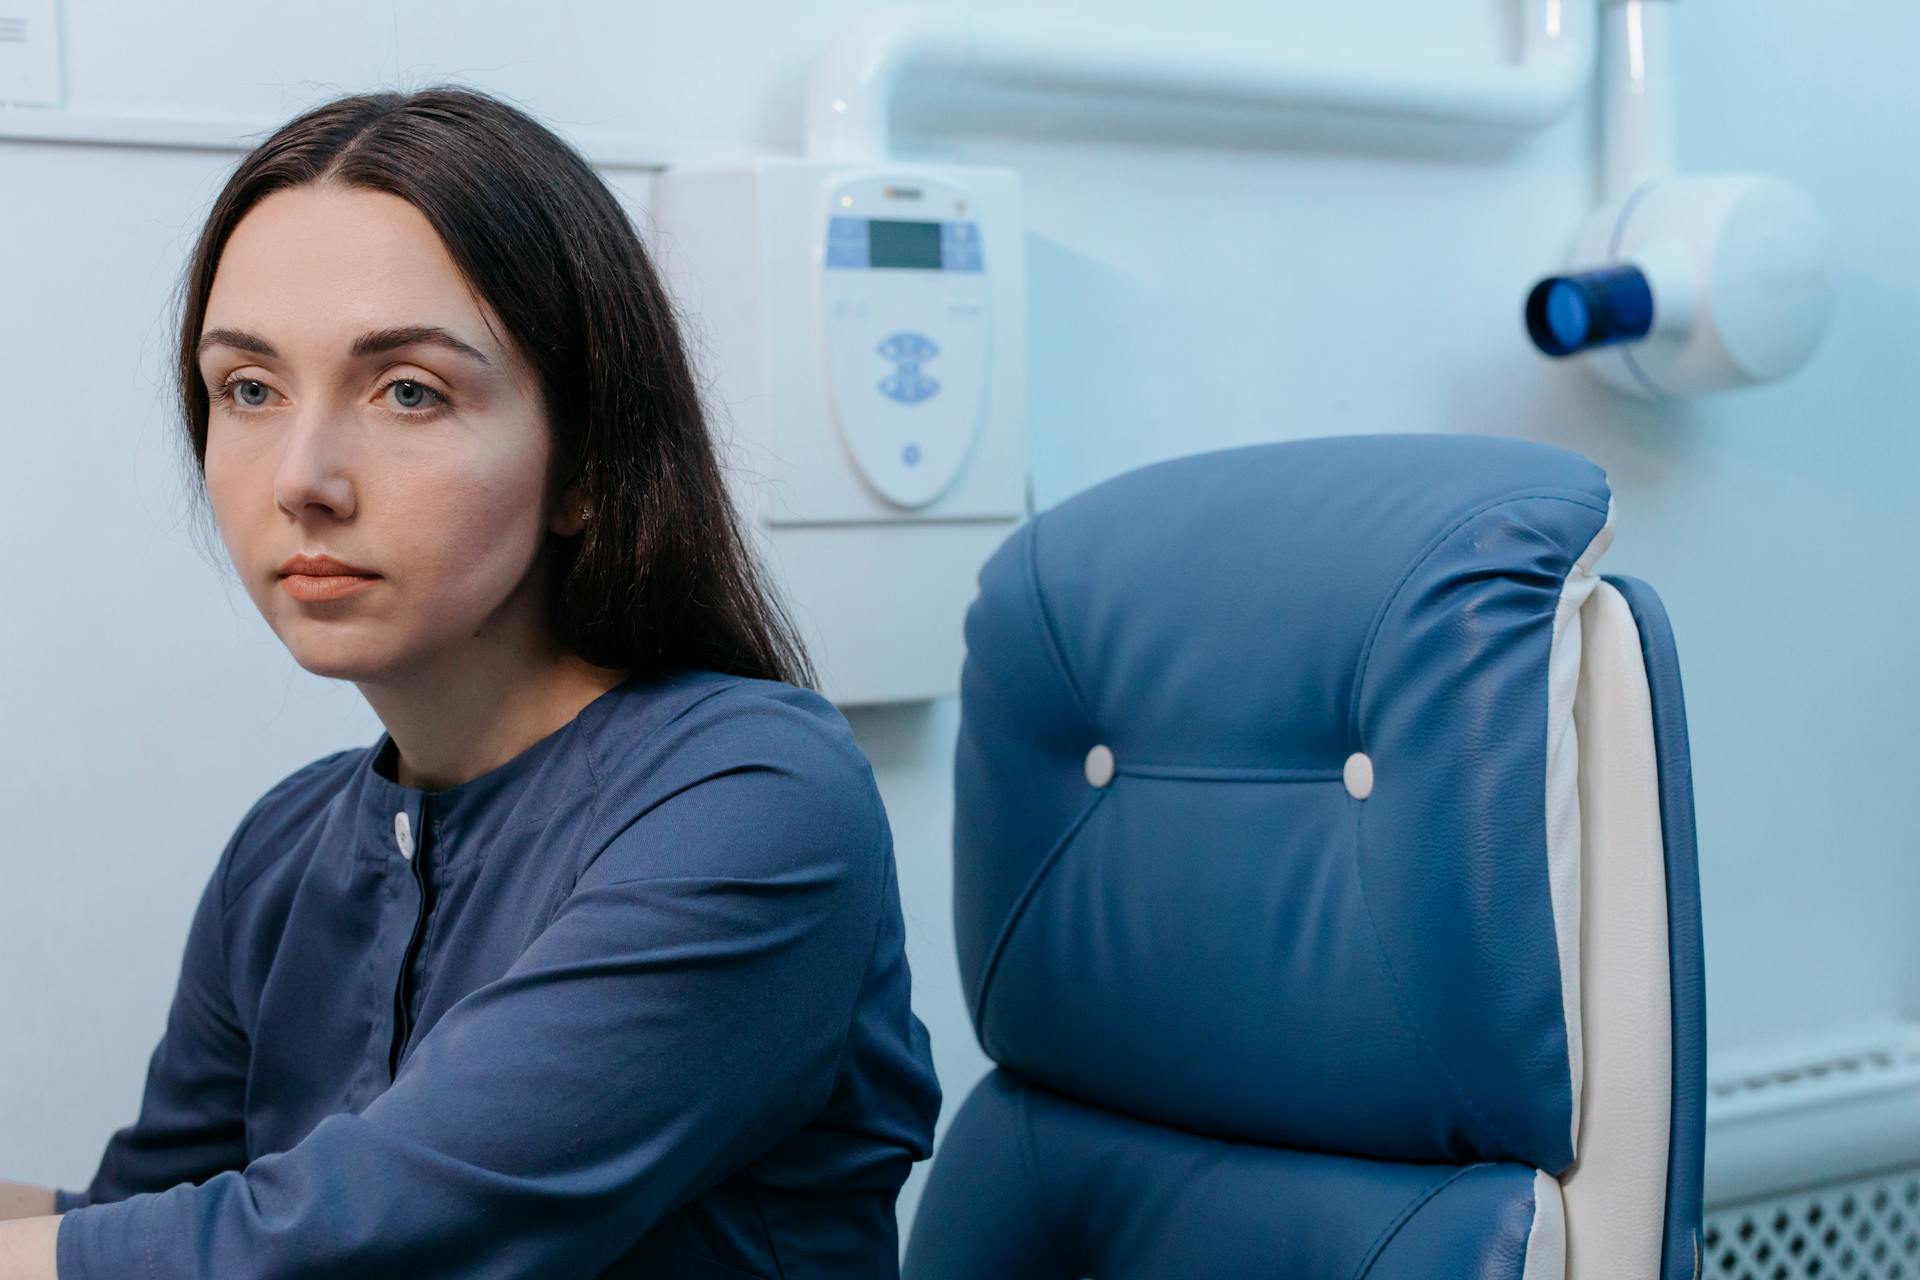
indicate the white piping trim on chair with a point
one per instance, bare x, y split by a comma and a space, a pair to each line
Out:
1563, 798
1615, 1195
1547, 1238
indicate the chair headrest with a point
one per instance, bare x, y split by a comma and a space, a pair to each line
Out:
1252, 795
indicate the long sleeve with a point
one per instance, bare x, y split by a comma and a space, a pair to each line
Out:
683, 1010
191, 1124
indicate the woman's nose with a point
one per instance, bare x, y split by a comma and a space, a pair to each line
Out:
316, 465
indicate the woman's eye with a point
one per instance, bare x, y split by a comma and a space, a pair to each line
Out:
243, 391
240, 393
414, 397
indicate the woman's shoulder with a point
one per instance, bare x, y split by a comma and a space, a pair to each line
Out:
740, 753
273, 825
696, 719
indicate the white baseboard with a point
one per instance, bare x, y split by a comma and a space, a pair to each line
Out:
1791, 1115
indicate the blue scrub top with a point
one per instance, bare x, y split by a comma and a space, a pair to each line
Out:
633, 1003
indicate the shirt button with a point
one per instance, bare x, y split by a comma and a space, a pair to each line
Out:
403, 832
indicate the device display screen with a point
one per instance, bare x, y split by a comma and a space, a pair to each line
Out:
859, 244
903, 244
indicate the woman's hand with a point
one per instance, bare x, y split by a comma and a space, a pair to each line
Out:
23, 1200
27, 1247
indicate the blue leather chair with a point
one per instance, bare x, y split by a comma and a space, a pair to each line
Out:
1325, 887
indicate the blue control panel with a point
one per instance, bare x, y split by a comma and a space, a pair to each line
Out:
908, 383
864, 244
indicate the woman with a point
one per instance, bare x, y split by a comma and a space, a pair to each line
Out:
593, 964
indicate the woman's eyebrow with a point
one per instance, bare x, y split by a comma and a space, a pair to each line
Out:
370, 343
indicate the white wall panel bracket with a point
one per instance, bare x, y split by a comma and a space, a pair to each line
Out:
29, 54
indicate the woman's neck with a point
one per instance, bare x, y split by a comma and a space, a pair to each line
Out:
441, 743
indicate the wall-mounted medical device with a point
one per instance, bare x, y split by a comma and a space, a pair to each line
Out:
1713, 281
860, 319
861, 334
1684, 283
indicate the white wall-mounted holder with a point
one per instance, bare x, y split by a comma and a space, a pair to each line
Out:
863, 328
29, 53
850, 93
1684, 283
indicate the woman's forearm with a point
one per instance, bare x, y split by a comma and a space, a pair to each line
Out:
23, 1200
27, 1248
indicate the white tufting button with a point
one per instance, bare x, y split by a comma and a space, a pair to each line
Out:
403, 832
1099, 765
1358, 775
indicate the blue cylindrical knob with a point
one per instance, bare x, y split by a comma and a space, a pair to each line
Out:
1574, 313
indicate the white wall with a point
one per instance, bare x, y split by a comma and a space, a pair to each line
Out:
1183, 298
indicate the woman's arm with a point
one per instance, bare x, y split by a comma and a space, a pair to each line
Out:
685, 1010
27, 1247
191, 1123
24, 1200
27, 1231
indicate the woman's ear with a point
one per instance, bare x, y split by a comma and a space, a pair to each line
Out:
571, 512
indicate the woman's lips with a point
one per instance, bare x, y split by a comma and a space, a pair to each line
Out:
332, 586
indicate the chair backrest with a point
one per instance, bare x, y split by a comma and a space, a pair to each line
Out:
1324, 882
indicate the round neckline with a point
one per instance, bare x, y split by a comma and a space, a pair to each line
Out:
445, 799
383, 797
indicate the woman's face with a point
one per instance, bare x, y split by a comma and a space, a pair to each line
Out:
341, 426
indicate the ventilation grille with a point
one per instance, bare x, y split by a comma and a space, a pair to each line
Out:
1865, 1065
1818, 1112
1864, 1229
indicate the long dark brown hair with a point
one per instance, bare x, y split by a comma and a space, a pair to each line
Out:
663, 575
